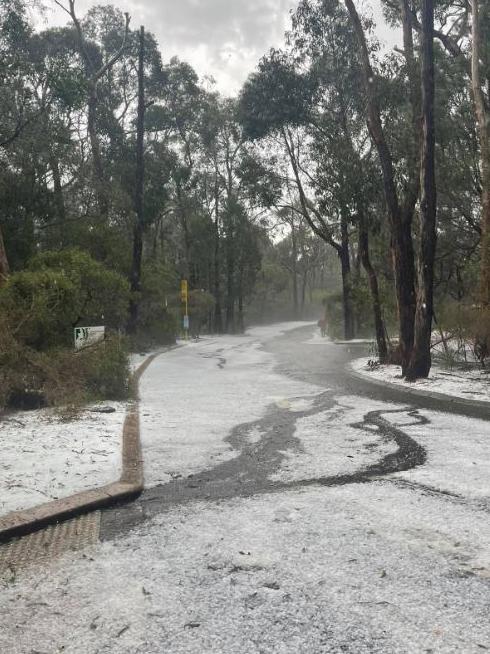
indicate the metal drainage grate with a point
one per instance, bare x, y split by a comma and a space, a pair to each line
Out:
49, 543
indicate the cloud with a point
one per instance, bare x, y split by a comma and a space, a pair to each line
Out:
220, 38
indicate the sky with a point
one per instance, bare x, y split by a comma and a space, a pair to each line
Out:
221, 38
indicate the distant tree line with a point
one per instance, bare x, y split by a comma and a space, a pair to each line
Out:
333, 151
385, 157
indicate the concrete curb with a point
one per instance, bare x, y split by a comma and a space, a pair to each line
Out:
480, 404
129, 486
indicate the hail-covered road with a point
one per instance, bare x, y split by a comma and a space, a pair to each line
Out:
289, 509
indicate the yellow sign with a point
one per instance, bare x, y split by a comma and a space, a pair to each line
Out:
183, 290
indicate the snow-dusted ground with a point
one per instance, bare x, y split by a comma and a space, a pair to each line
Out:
471, 384
192, 397
392, 566
370, 568
43, 457
137, 358
332, 442
458, 454
318, 339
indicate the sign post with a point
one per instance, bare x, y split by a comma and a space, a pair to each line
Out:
86, 336
184, 296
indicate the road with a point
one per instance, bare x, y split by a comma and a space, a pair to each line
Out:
289, 508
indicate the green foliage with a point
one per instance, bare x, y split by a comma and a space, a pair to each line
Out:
466, 330
105, 369
276, 96
157, 323
201, 303
102, 294
59, 291
332, 303
61, 376
39, 305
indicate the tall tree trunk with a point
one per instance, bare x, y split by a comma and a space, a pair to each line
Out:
218, 320
304, 283
4, 264
420, 360
240, 318
295, 271
100, 181
139, 191
230, 287
185, 230
404, 270
58, 197
483, 123
400, 221
379, 325
344, 256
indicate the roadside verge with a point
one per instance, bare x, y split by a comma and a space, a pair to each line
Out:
410, 389
129, 485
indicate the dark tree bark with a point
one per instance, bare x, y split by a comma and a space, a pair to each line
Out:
230, 286
181, 212
58, 196
344, 256
400, 220
379, 325
483, 124
4, 264
218, 320
304, 284
321, 229
420, 360
100, 181
295, 270
240, 317
139, 191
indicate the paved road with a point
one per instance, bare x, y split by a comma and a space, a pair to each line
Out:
331, 517
249, 472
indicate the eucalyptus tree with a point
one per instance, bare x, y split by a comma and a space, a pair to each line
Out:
17, 109
97, 63
420, 357
275, 104
401, 197
308, 103
480, 81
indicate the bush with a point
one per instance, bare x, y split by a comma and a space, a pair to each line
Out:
334, 314
201, 303
466, 328
57, 377
59, 291
157, 324
105, 369
39, 307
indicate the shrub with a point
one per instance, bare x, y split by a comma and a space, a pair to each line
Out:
102, 294
58, 377
201, 303
58, 291
334, 314
466, 329
39, 307
157, 323
105, 369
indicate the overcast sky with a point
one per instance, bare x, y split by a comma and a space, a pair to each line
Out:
221, 38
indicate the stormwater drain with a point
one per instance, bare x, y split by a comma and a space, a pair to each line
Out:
49, 543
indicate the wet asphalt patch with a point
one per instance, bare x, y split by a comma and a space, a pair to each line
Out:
249, 472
